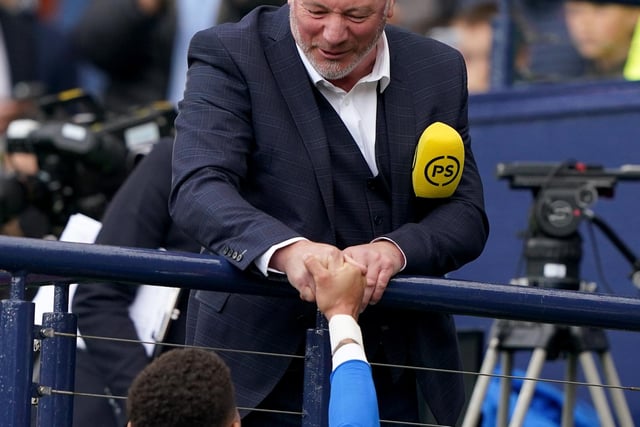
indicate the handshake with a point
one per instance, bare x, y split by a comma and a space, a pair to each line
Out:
340, 285
306, 263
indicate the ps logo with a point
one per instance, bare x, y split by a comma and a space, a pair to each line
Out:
437, 162
442, 170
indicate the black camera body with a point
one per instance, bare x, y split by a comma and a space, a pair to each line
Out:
563, 193
81, 164
563, 190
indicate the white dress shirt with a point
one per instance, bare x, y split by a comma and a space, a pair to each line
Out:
357, 110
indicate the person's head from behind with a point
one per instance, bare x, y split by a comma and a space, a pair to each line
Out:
183, 388
601, 31
473, 26
339, 36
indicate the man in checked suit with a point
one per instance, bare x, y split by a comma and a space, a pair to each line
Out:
296, 137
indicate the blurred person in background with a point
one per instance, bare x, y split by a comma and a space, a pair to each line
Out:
471, 30
421, 16
64, 15
472, 27
141, 45
35, 60
551, 57
542, 49
602, 32
131, 42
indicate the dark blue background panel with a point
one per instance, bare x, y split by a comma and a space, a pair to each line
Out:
591, 123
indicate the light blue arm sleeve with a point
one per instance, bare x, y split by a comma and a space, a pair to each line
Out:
353, 401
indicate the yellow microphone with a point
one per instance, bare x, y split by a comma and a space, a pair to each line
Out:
437, 162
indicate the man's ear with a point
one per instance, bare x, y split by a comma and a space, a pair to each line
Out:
131, 425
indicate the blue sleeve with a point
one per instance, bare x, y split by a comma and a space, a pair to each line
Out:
353, 401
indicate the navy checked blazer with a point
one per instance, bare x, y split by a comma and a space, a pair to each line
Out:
251, 168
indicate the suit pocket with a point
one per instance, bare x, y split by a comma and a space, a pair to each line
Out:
214, 300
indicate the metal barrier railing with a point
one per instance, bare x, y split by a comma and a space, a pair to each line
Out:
32, 262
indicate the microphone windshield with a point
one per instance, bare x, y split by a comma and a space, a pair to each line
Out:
438, 162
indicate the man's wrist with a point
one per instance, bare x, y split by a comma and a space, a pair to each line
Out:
403, 256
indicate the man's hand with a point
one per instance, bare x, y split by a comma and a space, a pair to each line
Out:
340, 285
290, 260
382, 260
12, 109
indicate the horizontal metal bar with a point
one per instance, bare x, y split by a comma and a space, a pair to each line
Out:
84, 262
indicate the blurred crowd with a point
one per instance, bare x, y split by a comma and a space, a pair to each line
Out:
124, 51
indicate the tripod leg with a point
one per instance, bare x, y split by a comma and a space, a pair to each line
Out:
474, 408
569, 391
617, 395
502, 417
528, 386
597, 393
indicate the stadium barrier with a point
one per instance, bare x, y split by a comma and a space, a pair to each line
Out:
33, 262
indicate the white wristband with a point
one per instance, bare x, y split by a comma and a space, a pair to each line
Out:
341, 327
346, 353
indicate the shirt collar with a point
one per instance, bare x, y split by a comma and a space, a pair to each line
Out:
381, 69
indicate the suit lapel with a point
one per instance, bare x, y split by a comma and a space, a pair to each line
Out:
401, 131
296, 88
297, 91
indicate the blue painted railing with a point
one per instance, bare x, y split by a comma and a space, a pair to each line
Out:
29, 262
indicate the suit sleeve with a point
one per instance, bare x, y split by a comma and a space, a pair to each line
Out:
353, 400
447, 233
214, 153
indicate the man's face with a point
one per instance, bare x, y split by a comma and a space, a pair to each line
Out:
600, 32
338, 36
474, 40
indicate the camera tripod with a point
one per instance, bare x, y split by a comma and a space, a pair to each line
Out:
548, 342
553, 252
552, 263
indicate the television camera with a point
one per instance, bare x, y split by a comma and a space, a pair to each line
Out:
563, 193
83, 155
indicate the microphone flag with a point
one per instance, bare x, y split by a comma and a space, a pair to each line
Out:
438, 162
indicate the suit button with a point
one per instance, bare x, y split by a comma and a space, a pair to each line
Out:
225, 251
377, 219
371, 184
239, 258
234, 255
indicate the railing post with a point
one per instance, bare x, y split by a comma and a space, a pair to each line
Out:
57, 363
16, 356
315, 405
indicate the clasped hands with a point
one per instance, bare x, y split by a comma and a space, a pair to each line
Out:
317, 270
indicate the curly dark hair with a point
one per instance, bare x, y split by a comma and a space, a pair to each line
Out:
182, 388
